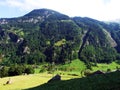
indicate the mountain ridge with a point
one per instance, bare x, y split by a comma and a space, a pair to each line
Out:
37, 33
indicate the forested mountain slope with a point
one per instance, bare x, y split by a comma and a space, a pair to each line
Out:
46, 35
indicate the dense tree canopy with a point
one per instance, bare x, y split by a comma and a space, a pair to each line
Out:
48, 36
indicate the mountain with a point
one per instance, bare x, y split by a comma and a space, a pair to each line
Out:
45, 35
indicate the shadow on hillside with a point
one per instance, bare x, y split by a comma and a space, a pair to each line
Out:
37, 87
118, 62
109, 81
48, 86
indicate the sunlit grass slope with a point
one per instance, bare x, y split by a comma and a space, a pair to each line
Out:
104, 67
75, 67
28, 81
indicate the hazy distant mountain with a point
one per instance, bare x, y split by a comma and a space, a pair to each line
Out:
47, 35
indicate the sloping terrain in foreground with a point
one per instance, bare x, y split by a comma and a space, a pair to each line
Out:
22, 82
110, 81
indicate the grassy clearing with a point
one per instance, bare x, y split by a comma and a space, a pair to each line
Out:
28, 81
61, 42
104, 66
37, 70
75, 67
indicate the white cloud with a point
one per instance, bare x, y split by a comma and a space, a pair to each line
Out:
98, 9
14, 3
106, 1
111, 10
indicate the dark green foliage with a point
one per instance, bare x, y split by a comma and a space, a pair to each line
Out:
13, 37
95, 45
43, 69
32, 39
11, 71
49, 52
101, 55
16, 70
29, 70
3, 71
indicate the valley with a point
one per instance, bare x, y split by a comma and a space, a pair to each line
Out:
67, 72
42, 43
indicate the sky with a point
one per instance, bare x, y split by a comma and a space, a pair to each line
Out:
103, 10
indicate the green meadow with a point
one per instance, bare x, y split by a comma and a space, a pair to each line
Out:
68, 72
28, 81
105, 67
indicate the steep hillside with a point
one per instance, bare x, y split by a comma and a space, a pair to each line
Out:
47, 35
33, 37
98, 44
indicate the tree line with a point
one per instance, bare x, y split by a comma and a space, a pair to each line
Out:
15, 70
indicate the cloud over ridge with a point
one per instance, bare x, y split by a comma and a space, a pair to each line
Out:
98, 9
